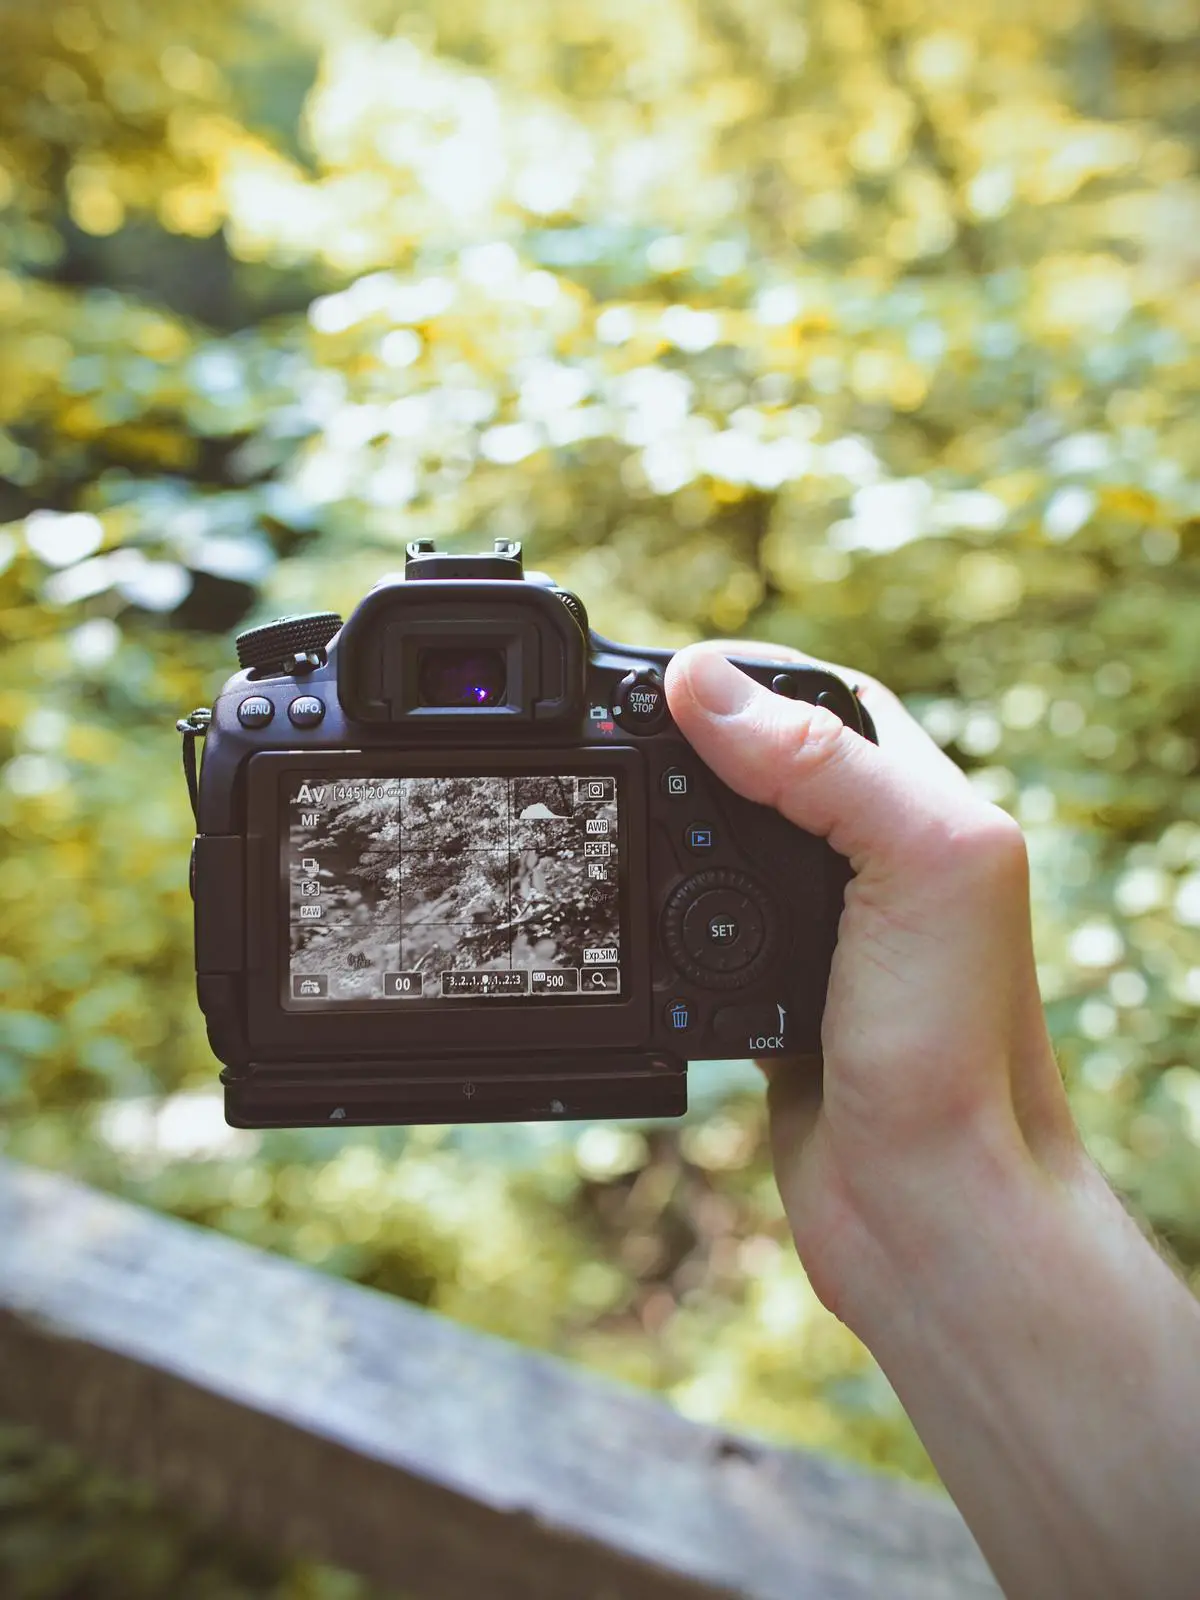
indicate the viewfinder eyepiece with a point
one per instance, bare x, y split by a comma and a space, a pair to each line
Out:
461, 677
466, 645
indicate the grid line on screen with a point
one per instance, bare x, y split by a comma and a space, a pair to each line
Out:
418, 887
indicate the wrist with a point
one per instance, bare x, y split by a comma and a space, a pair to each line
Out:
991, 1175
930, 1239
1050, 1361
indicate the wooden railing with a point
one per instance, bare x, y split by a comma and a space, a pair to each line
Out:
336, 1422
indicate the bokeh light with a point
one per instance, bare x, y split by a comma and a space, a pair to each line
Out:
872, 330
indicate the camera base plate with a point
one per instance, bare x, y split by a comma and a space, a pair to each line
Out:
312, 1094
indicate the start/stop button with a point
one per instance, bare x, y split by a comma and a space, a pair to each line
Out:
640, 703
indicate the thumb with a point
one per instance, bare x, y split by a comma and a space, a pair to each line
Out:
882, 814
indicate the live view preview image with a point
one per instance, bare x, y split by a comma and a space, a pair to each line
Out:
449, 888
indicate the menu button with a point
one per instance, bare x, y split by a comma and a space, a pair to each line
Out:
255, 711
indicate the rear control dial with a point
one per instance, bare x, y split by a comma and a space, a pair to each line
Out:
719, 928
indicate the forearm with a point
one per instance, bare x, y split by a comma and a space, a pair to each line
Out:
932, 1173
1050, 1361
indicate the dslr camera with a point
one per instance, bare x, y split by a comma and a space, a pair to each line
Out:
455, 863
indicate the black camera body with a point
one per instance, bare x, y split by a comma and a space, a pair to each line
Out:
455, 863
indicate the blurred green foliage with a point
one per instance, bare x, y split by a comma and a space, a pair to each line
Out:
870, 326
122, 1545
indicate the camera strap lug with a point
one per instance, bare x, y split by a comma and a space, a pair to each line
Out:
193, 728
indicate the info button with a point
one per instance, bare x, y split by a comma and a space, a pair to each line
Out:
306, 711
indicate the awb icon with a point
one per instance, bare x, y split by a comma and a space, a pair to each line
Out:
597, 825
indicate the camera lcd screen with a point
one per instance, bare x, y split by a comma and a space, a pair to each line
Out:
415, 891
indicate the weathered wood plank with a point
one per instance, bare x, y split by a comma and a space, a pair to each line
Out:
337, 1422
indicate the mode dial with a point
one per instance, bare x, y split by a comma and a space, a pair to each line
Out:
575, 606
276, 646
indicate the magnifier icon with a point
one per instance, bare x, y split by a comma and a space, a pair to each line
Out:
597, 980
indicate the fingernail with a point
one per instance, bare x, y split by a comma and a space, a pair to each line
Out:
719, 687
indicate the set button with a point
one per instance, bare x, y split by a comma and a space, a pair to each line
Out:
723, 930
255, 711
719, 928
306, 711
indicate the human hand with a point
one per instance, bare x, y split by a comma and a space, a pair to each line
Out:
940, 1196
939, 1075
